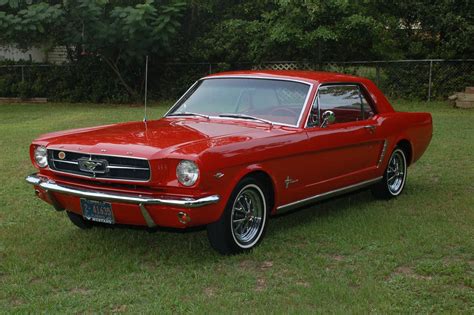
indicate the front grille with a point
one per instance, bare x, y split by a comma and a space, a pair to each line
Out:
99, 166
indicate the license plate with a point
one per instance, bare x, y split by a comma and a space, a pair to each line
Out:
98, 211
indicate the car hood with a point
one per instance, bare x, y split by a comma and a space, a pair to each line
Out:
153, 138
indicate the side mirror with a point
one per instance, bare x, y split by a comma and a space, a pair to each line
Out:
328, 117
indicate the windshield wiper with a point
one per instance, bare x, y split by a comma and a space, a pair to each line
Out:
243, 116
188, 114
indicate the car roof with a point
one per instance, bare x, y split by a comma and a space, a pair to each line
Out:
306, 76
315, 78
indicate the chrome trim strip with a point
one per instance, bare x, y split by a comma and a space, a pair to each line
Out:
264, 76
382, 154
182, 96
127, 168
305, 105
316, 98
50, 185
64, 161
326, 195
303, 109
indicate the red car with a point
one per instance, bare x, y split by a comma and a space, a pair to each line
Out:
235, 149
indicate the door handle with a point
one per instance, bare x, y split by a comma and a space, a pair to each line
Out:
370, 128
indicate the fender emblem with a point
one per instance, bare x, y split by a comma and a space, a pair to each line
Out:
289, 181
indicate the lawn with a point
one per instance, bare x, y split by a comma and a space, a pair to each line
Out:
355, 253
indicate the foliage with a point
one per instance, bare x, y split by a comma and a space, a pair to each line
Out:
334, 30
14, 4
121, 36
120, 33
86, 80
35, 25
429, 29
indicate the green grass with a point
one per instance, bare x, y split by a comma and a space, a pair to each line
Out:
355, 253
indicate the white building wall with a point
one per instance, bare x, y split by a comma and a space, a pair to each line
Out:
55, 55
34, 54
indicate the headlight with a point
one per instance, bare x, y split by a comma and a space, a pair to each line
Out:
41, 156
187, 172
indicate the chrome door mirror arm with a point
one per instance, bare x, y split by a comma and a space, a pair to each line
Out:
328, 118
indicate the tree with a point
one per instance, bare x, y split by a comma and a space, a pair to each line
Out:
331, 30
292, 30
429, 29
120, 35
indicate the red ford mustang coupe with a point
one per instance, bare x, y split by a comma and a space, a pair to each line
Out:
235, 149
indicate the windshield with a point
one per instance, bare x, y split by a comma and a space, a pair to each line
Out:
276, 101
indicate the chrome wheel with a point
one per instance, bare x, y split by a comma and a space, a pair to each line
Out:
248, 216
396, 172
242, 224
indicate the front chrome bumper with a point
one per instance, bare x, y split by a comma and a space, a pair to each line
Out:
51, 186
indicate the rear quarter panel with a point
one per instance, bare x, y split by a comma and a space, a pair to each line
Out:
416, 128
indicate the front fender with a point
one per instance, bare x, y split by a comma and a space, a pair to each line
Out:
232, 176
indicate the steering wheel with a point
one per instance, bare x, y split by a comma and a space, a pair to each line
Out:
282, 110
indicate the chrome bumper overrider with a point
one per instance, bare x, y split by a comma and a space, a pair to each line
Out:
51, 186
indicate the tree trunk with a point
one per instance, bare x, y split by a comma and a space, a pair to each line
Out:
133, 94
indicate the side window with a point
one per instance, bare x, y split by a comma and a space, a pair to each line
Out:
313, 119
367, 111
345, 101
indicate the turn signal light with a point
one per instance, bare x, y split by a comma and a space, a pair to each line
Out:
183, 217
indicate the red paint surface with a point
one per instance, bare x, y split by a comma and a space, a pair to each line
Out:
321, 159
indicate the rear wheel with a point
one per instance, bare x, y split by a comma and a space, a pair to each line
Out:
394, 177
79, 221
243, 222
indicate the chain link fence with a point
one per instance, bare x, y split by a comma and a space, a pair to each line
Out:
411, 79
428, 79
16, 79
67, 82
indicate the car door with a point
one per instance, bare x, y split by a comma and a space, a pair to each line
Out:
346, 151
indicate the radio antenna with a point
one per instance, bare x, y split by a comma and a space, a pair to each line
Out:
146, 86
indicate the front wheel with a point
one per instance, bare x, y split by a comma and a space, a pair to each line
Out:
243, 222
394, 177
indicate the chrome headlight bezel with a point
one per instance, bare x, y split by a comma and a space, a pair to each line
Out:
41, 156
187, 173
